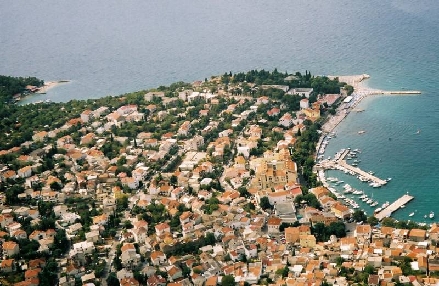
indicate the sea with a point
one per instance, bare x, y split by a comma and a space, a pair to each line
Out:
113, 47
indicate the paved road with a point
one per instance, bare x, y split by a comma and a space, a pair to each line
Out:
109, 263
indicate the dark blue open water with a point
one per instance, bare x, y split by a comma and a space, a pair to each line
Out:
111, 47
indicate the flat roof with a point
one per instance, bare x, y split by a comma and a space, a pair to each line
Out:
347, 99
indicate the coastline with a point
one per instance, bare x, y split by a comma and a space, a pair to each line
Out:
361, 90
26, 97
49, 85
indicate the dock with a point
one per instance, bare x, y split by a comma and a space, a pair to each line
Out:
394, 206
341, 164
398, 92
362, 173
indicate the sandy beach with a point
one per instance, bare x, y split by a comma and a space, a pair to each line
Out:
50, 84
360, 91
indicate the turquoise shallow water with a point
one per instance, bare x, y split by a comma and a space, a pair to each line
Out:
392, 147
111, 47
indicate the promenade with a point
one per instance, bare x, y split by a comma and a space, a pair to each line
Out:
360, 91
394, 206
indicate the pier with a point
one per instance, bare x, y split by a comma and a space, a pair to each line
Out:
394, 207
399, 92
340, 164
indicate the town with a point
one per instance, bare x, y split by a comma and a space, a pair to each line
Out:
209, 183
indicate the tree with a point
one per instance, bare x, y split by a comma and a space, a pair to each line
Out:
209, 239
228, 280
243, 192
112, 280
49, 275
339, 260
265, 203
61, 242
284, 225
55, 186
405, 266
369, 269
127, 224
372, 220
359, 215
173, 180
283, 271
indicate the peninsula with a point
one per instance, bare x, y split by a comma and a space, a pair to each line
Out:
203, 183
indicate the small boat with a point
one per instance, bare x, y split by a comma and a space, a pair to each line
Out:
357, 192
411, 214
361, 132
375, 185
385, 205
431, 215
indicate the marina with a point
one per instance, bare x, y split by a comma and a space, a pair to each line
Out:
339, 163
346, 160
387, 212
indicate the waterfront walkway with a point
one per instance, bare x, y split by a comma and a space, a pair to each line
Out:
394, 206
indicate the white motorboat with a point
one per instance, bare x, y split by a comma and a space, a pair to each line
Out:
357, 192
411, 214
431, 215
375, 185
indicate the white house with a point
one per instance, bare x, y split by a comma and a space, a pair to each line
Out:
286, 120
